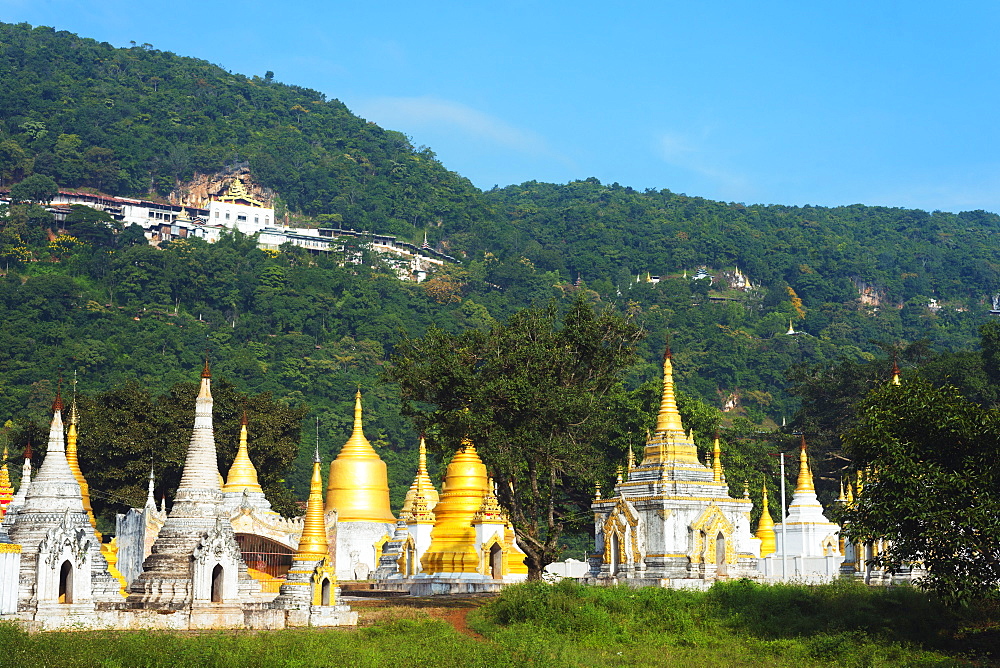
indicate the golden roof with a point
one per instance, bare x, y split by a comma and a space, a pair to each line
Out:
358, 488
313, 544
765, 529
453, 546
242, 474
805, 481
421, 483
669, 443
237, 191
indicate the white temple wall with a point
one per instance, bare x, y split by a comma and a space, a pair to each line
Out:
356, 548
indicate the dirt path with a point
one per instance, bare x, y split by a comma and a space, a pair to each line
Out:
451, 609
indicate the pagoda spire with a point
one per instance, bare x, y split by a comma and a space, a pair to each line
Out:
805, 481
313, 545
201, 469
55, 487
72, 459
895, 371
717, 473
422, 485
242, 474
150, 499
668, 419
765, 529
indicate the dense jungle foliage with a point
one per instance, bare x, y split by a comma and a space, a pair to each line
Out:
853, 282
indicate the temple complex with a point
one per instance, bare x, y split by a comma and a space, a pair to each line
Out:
358, 490
670, 520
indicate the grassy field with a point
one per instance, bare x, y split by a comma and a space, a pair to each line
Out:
735, 624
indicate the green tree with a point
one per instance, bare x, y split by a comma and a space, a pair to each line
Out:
932, 488
36, 189
534, 394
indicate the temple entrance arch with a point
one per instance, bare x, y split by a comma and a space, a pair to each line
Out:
615, 548
720, 555
325, 592
218, 574
496, 562
66, 582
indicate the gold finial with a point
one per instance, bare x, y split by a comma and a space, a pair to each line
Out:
631, 457
597, 490
805, 482
765, 528
242, 474
842, 498
895, 371
746, 489
717, 474
618, 471
206, 372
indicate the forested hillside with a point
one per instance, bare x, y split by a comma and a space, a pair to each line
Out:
851, 281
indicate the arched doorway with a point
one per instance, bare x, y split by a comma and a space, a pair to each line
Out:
496, 562
615, 565
66, 583
325, 592
720, 555
218, 574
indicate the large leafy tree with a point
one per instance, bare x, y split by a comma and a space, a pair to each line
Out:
933, 491
535, 395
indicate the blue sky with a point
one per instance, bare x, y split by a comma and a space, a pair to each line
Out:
887, 103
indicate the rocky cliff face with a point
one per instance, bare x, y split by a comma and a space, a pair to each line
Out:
198, 191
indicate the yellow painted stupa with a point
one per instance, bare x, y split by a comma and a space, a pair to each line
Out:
242, 474
669, 445
453, 546
74, 464
313, 545
765, 529
242, 486
6, 489
358, 488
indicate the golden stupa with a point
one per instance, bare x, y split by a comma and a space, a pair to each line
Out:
313, 545
453, 539
358, 488
422, 483
765, 529
242, 474
805, 480
669, 444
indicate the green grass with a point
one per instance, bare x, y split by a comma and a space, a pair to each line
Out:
733, 624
